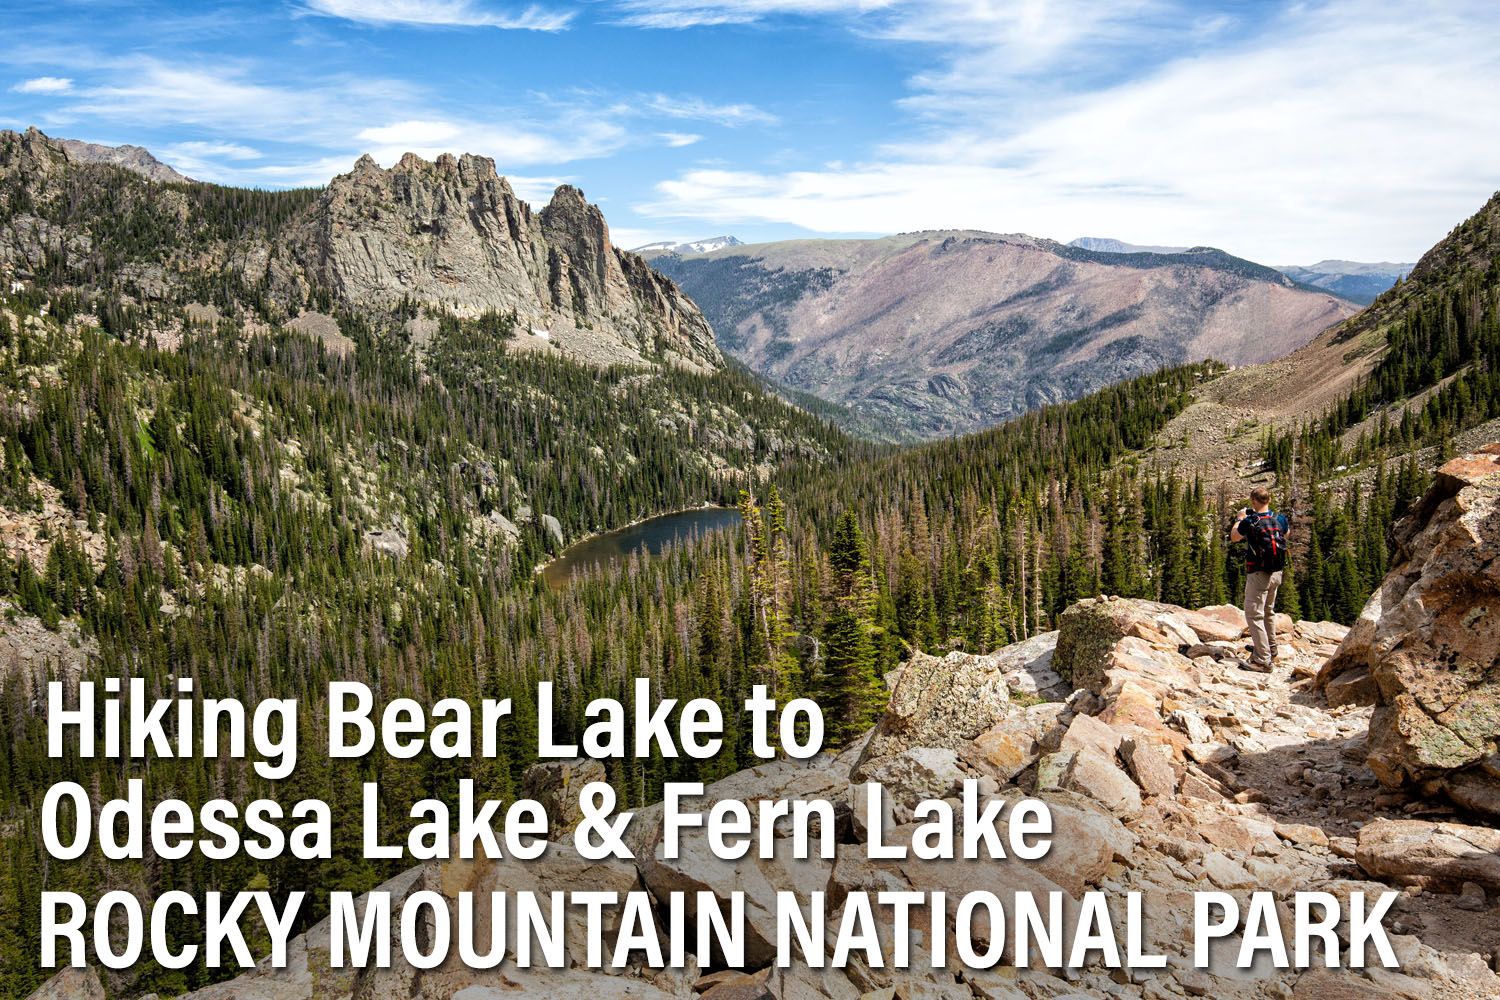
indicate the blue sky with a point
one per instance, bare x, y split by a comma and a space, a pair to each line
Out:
1285, 132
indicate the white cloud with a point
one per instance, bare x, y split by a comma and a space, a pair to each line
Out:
212, 150
697, 109
1342, 130
570, 136
205, 160
411, 134
228, 100
441, 13
290, 131
673, 14
44, 85
537, 190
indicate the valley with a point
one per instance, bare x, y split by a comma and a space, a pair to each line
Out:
274, 440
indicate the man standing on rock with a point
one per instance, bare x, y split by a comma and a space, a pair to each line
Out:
1264, 532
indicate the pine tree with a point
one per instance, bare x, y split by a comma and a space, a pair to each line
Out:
851, 682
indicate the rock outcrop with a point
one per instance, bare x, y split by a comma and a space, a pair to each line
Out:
1426, 648
1169, 770
453, 236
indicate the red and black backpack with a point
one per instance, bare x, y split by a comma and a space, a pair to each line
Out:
1265, 535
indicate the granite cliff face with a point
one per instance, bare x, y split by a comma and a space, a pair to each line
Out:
453, 236
449, 237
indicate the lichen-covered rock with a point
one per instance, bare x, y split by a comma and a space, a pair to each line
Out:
556, 785
1427, 646
940, 702
909, 777
1100, 640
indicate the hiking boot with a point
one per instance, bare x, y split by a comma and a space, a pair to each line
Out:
1256, 665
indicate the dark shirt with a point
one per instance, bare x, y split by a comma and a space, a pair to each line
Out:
1243, 529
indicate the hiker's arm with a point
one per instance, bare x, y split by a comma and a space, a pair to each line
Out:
1234, 533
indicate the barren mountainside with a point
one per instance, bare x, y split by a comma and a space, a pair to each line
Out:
935, 333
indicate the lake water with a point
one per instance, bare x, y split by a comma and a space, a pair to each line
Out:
651, 535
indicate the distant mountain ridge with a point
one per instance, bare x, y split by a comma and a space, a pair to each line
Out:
934, 333
1104, 244
708, 245
1354, 280
136, 159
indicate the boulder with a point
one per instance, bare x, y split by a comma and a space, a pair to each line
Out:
556, 784
1427, 645
738, 986
1353, 687
1086, 732
1219, 623
71, 984
1086, 841
1015, 743
1104, 642
941, 702
1096, 776
1150, 768
1432, 855
915, 775
1027, 667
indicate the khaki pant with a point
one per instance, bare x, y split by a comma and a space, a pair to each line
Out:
1260, 613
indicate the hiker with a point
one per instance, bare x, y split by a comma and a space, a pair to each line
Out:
1264, 532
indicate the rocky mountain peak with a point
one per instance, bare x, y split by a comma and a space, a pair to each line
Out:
136, 159
452, 235
570, 215
567, 197
30, 152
